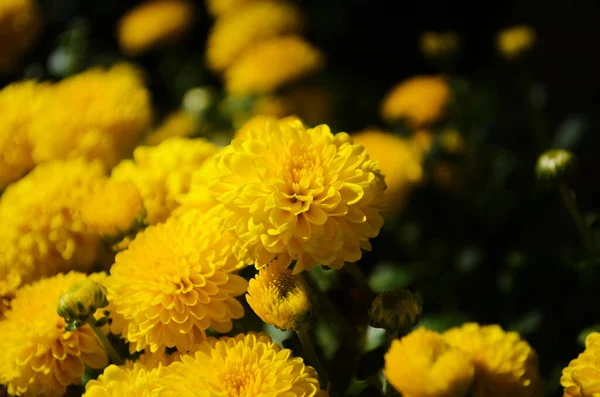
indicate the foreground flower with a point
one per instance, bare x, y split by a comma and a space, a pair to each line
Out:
505, 365
439, 45
291, 193
174, 282
19, 26
152, 23
249, 365
177, 124
162, 173
398, 161
423, 364
516, 40
420, 100
40, 357
237, 31
42, 233
101, 114
582, 376
279, 297
271, 64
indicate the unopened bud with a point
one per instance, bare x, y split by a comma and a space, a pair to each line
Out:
82, 300
555, 164
395, 310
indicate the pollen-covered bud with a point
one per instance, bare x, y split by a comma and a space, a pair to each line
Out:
82, 300
395, 310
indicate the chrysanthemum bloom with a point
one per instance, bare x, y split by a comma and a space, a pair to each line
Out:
101, 114
40, 357
279, 297
19, 26
162, 173
113, 208
582, 377
249, 365
272, 63
420, 100
439, 44
423, 364
398, 161
512, 42
237, 31
42, 233
152, 23
177, 124
19, 104
219, 8
505, 365
291, 193
259, 122
174, 282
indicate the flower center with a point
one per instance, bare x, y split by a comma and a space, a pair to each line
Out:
283, 284
238, 382
300, 165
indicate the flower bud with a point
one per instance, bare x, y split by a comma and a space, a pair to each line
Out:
82, 300
555, 164
395, 310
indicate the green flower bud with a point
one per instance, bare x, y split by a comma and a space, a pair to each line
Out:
81, 301
555, 164
395, 310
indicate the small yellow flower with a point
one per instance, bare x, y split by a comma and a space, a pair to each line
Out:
82, 300
505, 365
451, 141
420, 100
162, 173
235, 32
423, 364
515, 41
291, 193
152, 23
250, 364
397, 160
177, 124
439, 44
580, 378
42, 233
174, 282
279, 297
422, 141
20, 22
40, 357
272, 63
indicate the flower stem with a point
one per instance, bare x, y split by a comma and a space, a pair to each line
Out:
568, 198
115, 357
360, 280
323, 299
313, 358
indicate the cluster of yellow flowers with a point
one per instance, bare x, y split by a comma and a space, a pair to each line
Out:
580, 378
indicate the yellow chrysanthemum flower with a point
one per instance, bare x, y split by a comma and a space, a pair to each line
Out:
162, 173
291, 193
505, 365
398, 161
19, 26
235, 32
177, 124
19, 104
438, 44
42, 233
101, 114
279, 297
174, 282
514, 41
582, 376
219, 8
250, 365
152, 23
40, 357
272, 63
420, 100
423, 364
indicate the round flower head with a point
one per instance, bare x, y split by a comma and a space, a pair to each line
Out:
152, 23
516, 40
177, 124
398, 161
420, 100
272, 63
40, 357
237, 31
582, 376
505, 365
19, 26
42, 233
249, 365
439, 45
291, 193
101, 114
279, 297
174, 282
162, 173
422, 364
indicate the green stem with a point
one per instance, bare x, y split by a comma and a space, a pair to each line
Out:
360, 280
568, 197
313, 358
115, 357
323, 300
